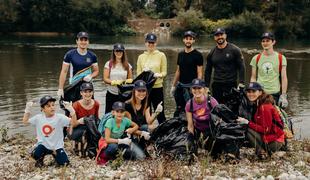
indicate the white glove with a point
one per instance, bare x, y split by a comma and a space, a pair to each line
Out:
69, 107
146, 135
158, 75
146, 69
172, 91
88, 78
28, 107
126, 141
81, 120
283, 103
159, 108
60, 93
241, 86
242, 120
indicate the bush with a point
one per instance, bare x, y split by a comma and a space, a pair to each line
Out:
124, 30
212, 25
288, 28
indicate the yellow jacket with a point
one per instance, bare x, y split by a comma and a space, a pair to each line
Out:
155, 61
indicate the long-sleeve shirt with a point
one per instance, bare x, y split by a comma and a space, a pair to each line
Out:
227, 64
155, 61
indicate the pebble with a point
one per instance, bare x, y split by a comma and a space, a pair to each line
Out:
269, 177
300, 164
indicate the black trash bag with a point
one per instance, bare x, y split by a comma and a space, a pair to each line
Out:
246, 108
233, 99
223, 112
92, 135
125, 90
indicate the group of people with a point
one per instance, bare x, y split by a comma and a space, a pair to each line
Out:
139, 115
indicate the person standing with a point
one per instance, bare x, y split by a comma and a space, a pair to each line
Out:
189, 67
82, 62
156, 61
227, 62
269, 69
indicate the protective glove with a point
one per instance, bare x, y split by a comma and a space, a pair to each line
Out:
242, 120
146, 69
159, 108
158, 75
81, 121
172, 91
29, 106
128, 81
88, 78
283, 103
126, 141
241, 86
60, 93
69, 107
116, 82
146, 135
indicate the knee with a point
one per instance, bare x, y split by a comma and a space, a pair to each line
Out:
111, 150
39, 152
61, 157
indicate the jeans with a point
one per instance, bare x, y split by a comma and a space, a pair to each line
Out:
220, 89
41, 151
113, 149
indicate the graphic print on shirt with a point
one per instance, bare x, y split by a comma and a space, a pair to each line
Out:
201, 112
267, 68
227, 55
88, 60
47, 130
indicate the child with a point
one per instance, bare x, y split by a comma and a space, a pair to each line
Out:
49, 130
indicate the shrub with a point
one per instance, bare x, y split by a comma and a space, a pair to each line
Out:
288, 28
212, 25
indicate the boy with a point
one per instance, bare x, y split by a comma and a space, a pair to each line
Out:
49, 130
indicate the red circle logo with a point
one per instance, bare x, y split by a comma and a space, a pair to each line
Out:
47, 130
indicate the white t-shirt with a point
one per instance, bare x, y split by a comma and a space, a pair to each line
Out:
50, 130
116, 73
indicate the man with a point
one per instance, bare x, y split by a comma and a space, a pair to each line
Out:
189, 67
82, 62
270, 67
156, 61
227, 61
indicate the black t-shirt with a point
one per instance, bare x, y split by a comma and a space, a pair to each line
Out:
227, 63
137, 117
188, 63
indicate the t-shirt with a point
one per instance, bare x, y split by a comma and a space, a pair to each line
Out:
117, 132
116, 73
81, 112
49, 130
188, 63
268, 71
79, 62
227, 64
137, 117
201, 113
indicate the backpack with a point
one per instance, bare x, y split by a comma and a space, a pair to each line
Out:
103, 121
287, 126
280, 63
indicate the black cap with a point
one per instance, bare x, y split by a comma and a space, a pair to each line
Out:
86, 86
219, 31
82, 35
118, 105
150, 37
45, 99
140, 84
189, 33
267, 35
254, 86
118, 47
198, 83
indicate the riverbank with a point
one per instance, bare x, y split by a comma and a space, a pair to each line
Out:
16, 163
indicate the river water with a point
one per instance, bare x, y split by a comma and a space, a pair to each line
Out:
30, 67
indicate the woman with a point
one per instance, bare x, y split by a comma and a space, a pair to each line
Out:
265, 131
198, 111
116, 71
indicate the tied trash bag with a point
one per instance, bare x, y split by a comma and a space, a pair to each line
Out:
173, 138
233, 99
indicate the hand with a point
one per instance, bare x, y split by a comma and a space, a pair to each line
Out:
146, 135
241, 86
29, 106
60, 93
88, 78
69, 107
126, 141
81, 120
129, 131
128, 81
159, 108
283, 103
172, 91
158, 75
242, 120
116, 82
146, 69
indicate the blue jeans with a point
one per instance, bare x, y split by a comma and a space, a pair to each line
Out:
41, 151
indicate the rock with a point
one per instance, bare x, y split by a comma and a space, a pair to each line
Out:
269, 177
300, 164
37, 177
279, 154
283, 176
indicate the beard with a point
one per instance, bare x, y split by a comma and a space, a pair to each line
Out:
188, 45
220, 41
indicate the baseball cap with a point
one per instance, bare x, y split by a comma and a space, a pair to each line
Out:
267, 35
82, 35
45, 99
140, 84
118, 105
118, 47
86, 86
150, 37
254, 86
198, 83
219, 31
189, 33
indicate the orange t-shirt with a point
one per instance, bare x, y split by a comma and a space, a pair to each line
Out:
82, 112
